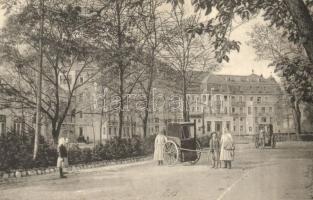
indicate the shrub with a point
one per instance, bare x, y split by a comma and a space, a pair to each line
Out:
74, 154
148, 145
16, 151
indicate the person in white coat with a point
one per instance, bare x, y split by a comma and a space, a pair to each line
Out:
227, 149
159, 143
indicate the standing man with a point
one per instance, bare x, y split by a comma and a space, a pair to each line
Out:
262, 138
227, 149
159, 143
62, 158
215, 150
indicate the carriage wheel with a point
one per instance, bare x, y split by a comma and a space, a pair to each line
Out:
198, 148
170, 153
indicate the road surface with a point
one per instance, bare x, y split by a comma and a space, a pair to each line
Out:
283, 173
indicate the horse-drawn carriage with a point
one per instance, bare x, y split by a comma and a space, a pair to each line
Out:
182, 144
267, 138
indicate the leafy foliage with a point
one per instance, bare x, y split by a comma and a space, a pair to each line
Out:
16, 152
297, 73
276, 12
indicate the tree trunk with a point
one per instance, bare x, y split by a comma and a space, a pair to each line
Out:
185, 113
301, 17
55, 135
145, 124
121, 116
121, 68
39, 84
297, 118
101, 123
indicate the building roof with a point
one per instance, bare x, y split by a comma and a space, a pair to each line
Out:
250, 84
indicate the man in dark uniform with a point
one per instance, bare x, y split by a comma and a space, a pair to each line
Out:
62, 159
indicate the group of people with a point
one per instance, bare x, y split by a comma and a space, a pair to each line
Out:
222, 148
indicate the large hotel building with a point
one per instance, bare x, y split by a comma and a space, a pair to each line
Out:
239, 103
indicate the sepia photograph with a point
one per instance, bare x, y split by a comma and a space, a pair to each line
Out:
156, 99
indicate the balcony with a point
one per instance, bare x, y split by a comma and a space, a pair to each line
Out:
238, 103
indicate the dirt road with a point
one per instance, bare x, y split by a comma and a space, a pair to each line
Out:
283, 173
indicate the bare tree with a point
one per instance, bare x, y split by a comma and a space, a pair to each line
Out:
152, 42
114, 31
187, 52
66, 58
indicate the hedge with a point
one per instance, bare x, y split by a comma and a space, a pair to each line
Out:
16, 151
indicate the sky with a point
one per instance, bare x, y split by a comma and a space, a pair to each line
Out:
241, 63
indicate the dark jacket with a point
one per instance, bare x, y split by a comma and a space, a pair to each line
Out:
214, 145
62, 151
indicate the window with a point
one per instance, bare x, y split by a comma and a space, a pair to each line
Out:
255, 110
233, 110
208, 126
225, 110
225, 98
259, 100
209, 98
80, 131
124, 132
18, 127
156, 120
263, 119
241, 110
193, 109
234, 119
256, 120
249, 110
241, 119
233, 98
81, 114
270, 109
228, 125
2, 128
263, 109
240, 98
81, 79
241, 128
251, 98
157, 129
203, 98
110, 131
2, 124
115, 131
199, 120
250, 129
218, 97
234, 128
